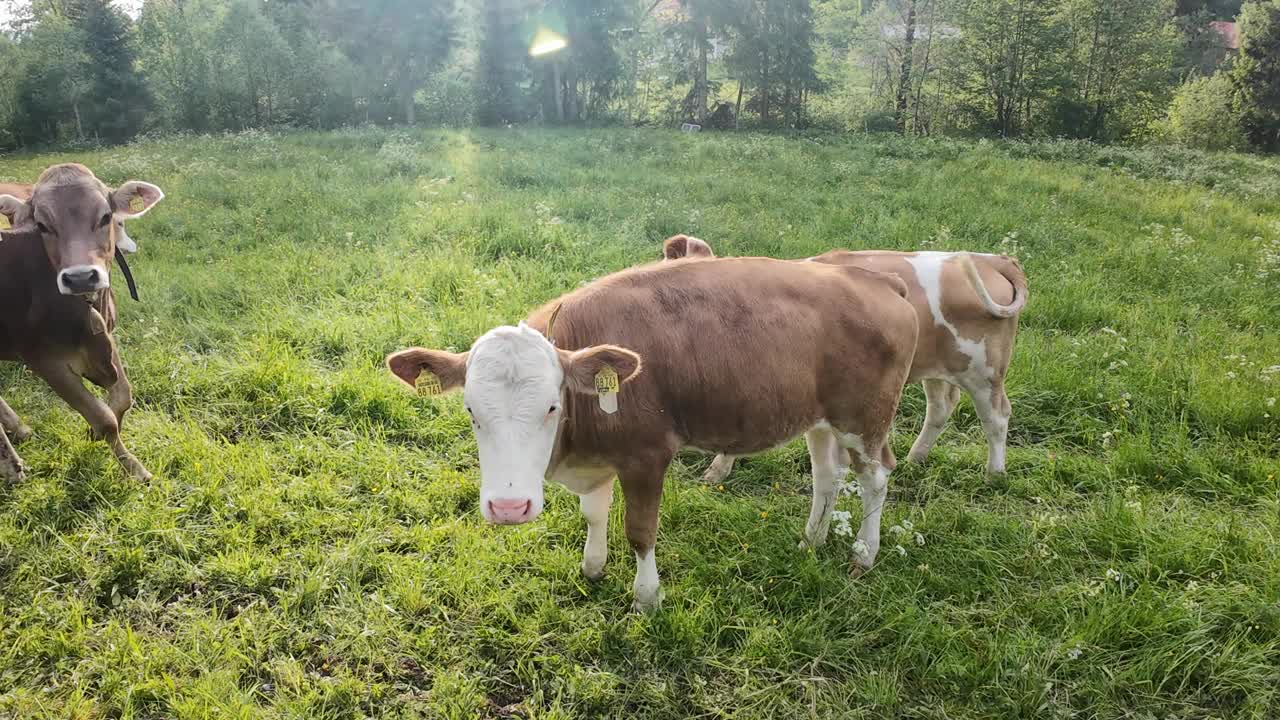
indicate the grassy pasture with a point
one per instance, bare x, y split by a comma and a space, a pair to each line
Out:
311, 545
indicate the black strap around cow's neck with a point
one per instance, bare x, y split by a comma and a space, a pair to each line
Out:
128, 275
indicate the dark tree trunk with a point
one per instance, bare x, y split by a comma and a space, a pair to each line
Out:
904, 75
700, 72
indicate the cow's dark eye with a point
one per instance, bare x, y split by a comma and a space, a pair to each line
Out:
43, 228
105, 219
553, 409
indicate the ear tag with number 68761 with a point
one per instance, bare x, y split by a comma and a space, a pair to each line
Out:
607, 388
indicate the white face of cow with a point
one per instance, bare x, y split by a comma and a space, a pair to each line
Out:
514, 382
513, 390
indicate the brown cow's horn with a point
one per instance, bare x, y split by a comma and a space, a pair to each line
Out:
551, 324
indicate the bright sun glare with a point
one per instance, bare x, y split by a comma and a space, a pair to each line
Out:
545, 41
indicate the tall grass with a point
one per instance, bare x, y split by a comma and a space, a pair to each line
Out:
311, 546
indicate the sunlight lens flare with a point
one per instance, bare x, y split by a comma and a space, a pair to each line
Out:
545, 41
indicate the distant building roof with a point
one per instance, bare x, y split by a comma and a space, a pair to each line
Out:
669, 11
941, 32
1228, 31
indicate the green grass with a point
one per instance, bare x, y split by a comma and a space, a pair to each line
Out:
311, 546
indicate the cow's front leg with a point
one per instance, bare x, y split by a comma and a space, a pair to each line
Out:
642, 491
119, 395
595, 508
10, 463
102, 420
13, 424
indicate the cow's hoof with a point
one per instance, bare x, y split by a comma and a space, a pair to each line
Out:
646, 606
856, 571
593, 572
22, 434
916, 458
12, 473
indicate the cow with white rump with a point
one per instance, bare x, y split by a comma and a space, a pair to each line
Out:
630, 375
968, 306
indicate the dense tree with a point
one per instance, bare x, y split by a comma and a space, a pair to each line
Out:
502, 67
1256, 73
397, 44
1111, 70
773, 54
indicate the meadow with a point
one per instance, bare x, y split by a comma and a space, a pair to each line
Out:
311, 545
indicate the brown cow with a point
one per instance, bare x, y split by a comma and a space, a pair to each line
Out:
968, 305
785, 349
23, 193
57, 311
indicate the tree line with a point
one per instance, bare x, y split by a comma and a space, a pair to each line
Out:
1198, 72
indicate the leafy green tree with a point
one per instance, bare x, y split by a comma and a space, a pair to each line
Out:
503, 69
53, 83
773, 53
118, 97
1203, 115
1121, 59
1005, 63
1256, 73
398, 44
175, 41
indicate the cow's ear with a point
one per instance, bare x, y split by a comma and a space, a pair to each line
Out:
134, 198
582, 366
448, 370
675, 247
16, 212
682, 246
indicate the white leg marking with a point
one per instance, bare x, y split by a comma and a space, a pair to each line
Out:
824, 457
873, 487
990, 404
719, 470
645, 588
595, 508
942, 397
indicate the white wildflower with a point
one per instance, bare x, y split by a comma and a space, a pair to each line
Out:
900, 550
1231, 375
907, 524
1271, 402
1074, 653
840, 525
860, 549
898, 530
1114, 575
919, 539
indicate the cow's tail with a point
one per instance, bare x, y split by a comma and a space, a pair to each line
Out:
1011, 270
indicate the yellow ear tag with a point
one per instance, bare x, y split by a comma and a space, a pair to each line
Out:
607, 388
137, 204
4, 223
429, 384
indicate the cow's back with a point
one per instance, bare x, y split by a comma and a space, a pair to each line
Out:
946, 302
738, 354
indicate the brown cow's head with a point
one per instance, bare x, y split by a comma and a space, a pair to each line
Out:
79, 219
681, 246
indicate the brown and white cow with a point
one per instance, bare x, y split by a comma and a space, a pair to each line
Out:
57, 311
783, 349
968, 305
23, 192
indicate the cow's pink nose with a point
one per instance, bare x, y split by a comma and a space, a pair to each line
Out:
510, 511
